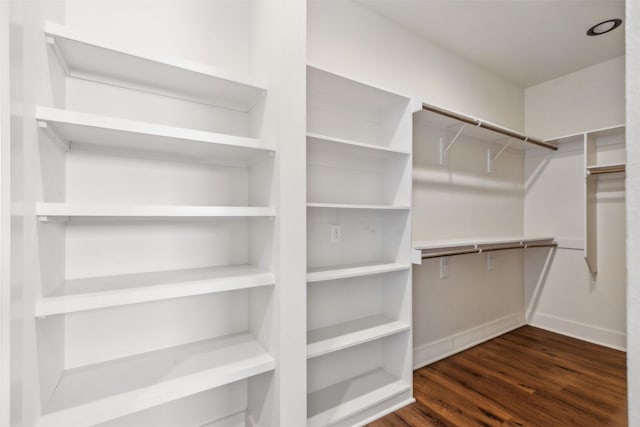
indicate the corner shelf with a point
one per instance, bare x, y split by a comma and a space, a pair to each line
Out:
111, 291
342, 400
48, 211
321, 275
85, 56
344, 335
94, 394
68, 127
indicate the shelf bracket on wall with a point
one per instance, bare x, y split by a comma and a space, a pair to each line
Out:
491, 158
489, 259
444, 267
53, 135
446, 146
56, 50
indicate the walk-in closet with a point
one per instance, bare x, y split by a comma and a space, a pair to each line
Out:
290, 213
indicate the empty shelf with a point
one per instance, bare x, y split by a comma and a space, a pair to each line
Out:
320, 275
85, 56
609, 168
349, 206
73, 127
46, 211
456, 243
340, 145
110, 291
94, 394
340, 401
337, 337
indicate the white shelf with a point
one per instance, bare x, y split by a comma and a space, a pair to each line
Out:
340, 401
338, 337
74, 127
85, 56
364, 207
94, 394
477, 243
320, 275
345, 146
47, 211
111, 291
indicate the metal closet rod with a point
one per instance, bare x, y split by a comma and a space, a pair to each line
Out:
489, 126
481, 250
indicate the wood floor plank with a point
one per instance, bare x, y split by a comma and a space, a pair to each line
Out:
528, 377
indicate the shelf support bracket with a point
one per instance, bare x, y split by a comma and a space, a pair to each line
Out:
444, 267
491, 158
56, 50
54, 135
446, 146
489, 259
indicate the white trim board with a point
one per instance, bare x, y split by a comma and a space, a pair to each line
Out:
582, 331
437, 350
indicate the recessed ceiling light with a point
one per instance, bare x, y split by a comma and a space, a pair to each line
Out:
604, 27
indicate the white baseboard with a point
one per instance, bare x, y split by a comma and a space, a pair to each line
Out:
582, 331
445, 347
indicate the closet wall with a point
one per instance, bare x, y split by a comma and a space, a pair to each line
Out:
459, 200
564, 296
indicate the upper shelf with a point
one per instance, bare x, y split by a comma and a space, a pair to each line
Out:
46, 211
608, 168
85, 56
578, 137
93, 394
483, 130
68, 127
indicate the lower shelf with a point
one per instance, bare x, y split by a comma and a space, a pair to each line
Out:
337, 337
110, 291
340, 401
94, 394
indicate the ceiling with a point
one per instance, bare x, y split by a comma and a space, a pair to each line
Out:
525, 41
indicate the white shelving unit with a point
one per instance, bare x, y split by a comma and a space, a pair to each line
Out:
604, 164
604, 153
156, 240
358, 249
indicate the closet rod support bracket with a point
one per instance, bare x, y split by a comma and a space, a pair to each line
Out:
491, 159
444, 267
446, 146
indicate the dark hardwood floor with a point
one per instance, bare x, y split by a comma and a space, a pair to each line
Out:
528, 377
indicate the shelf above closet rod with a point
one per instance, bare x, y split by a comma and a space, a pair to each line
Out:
487, 125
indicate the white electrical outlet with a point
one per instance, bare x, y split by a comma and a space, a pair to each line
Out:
336, 233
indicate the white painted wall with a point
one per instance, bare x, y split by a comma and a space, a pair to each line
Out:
632, 23
565, 297
461, 200
350, 39
587, 99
